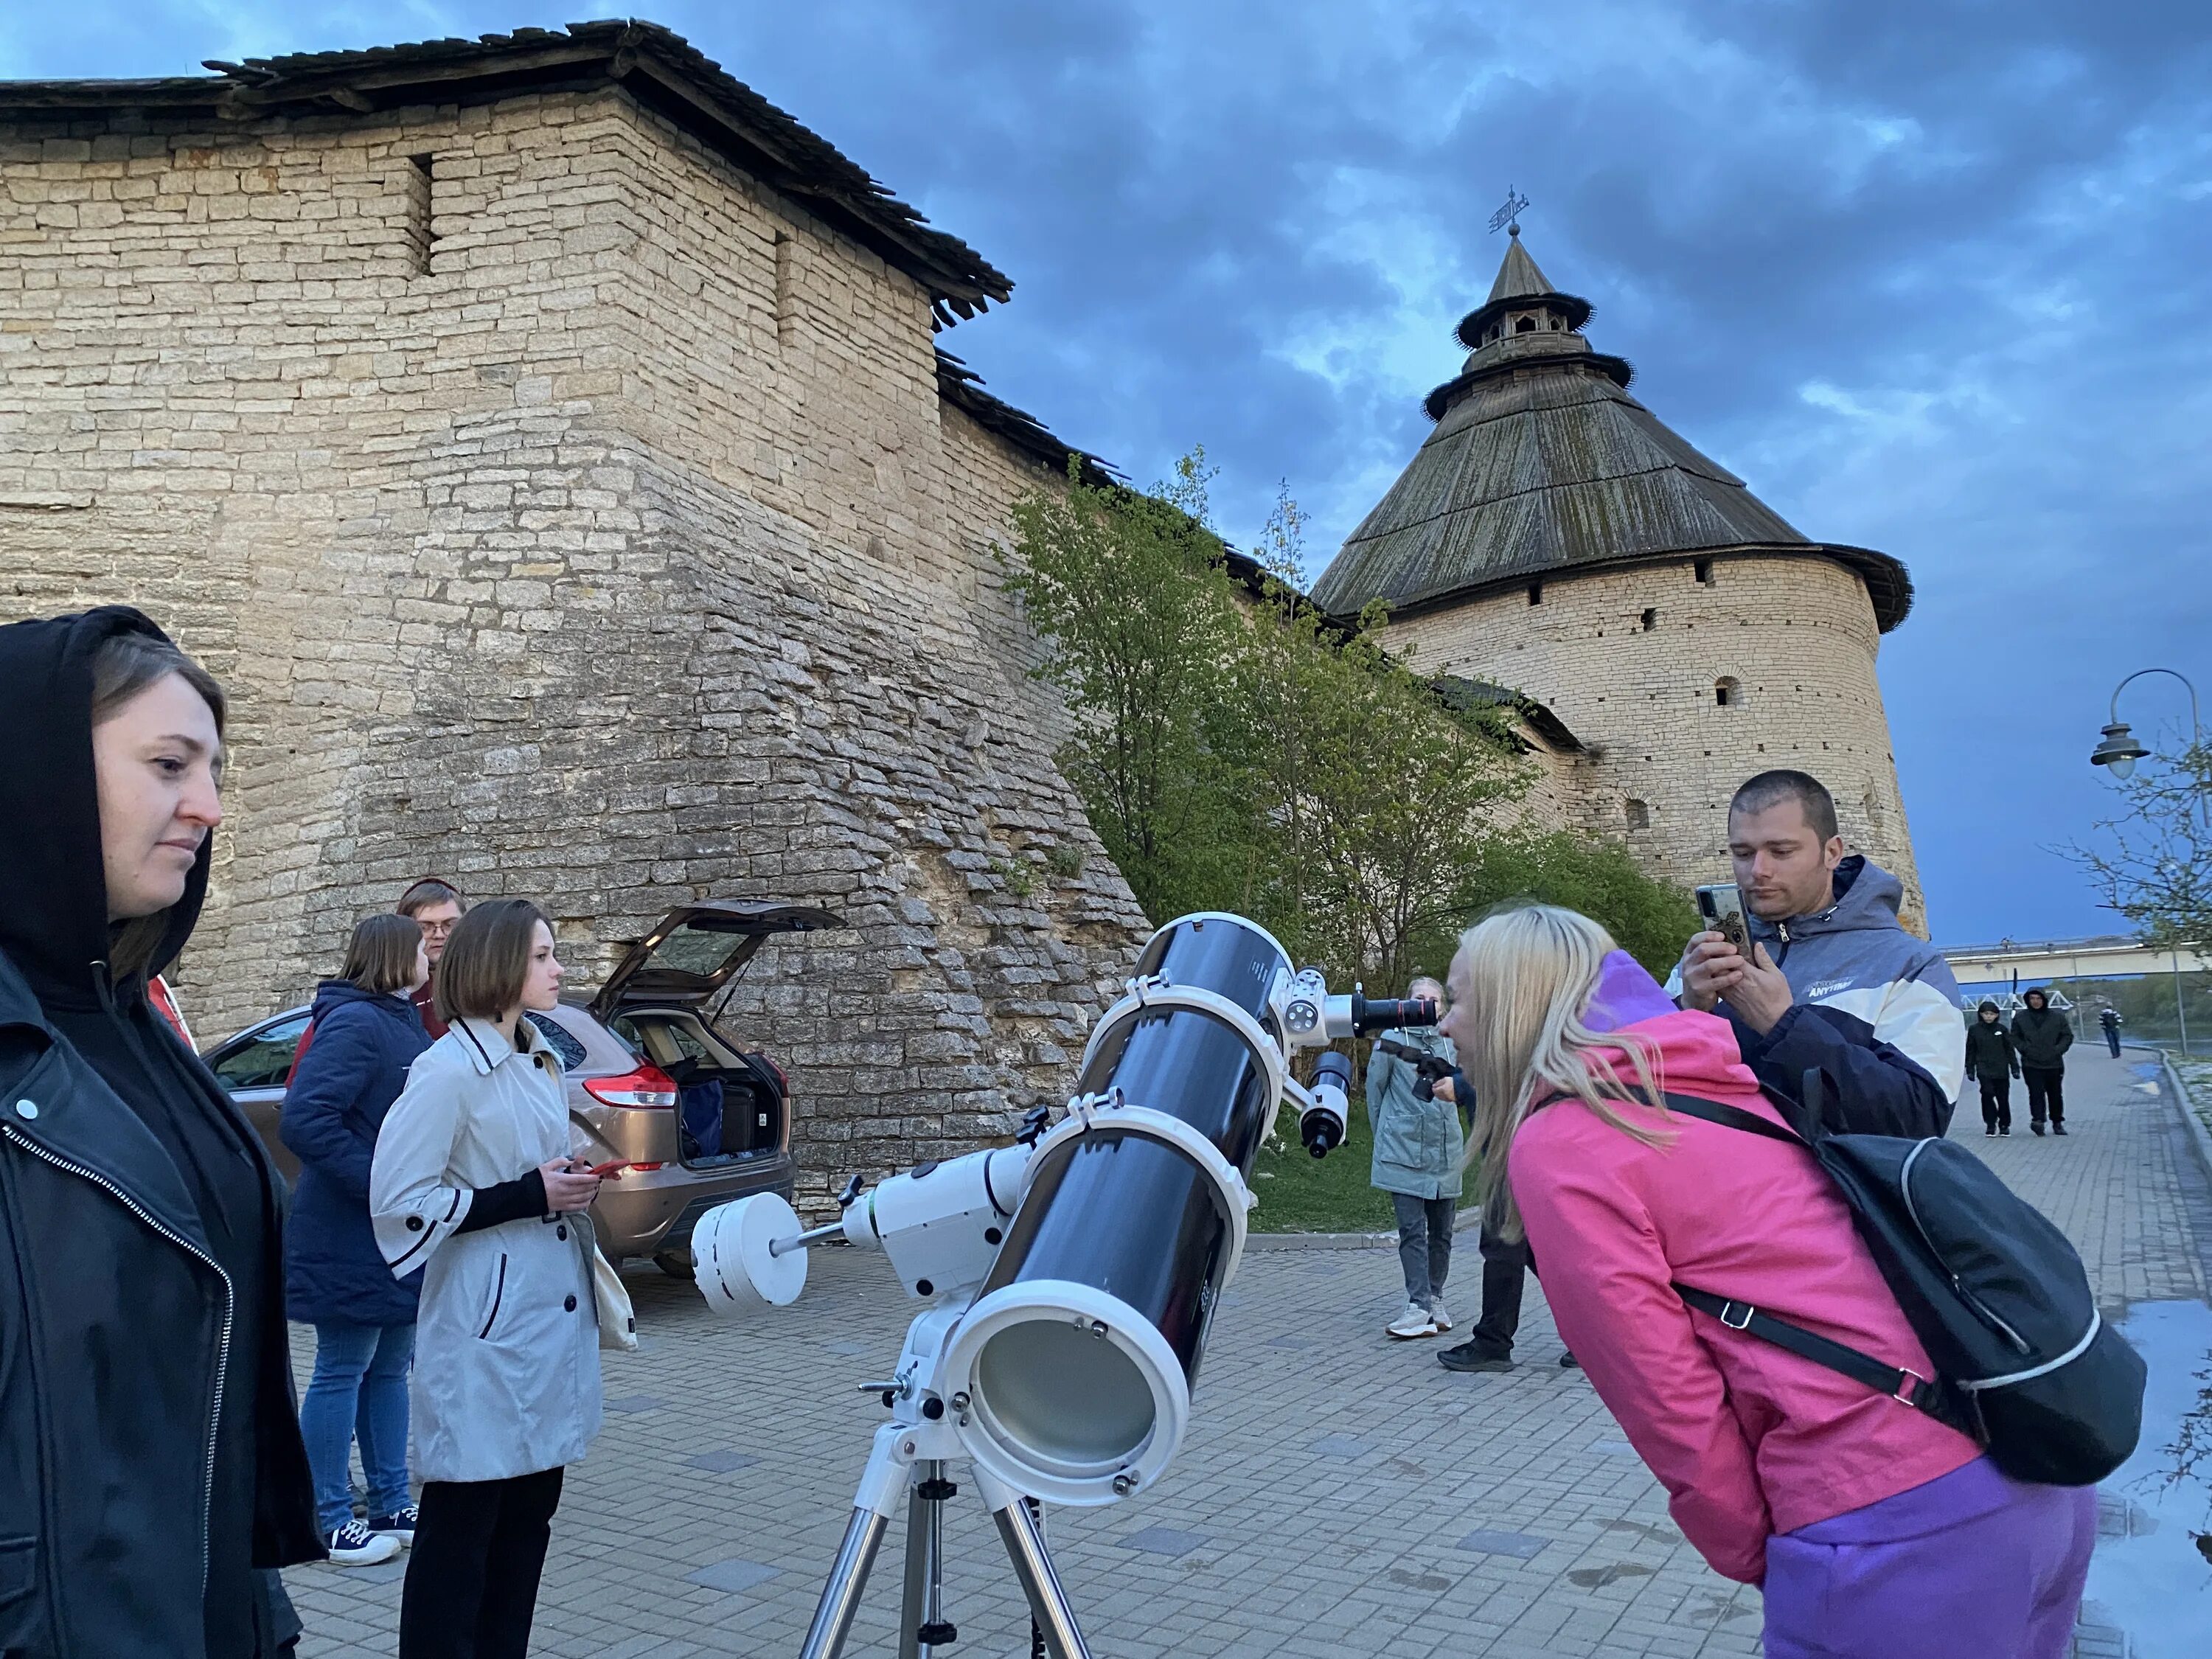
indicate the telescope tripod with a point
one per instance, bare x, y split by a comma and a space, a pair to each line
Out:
895, 1462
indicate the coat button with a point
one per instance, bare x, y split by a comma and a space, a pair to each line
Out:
561, 1232
414, 1223
27, 1108
569, 1304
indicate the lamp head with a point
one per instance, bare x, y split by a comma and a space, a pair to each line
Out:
2119, 750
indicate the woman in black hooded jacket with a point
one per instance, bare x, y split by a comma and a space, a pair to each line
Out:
151, 1470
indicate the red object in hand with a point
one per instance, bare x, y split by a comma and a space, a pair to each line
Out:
604, 1169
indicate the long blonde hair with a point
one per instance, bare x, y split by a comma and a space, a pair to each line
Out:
1528, 973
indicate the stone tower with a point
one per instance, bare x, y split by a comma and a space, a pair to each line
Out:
1553, 537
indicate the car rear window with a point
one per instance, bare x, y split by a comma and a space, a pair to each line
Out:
266, 1060
558, 1037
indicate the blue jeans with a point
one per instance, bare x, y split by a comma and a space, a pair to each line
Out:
359, 1387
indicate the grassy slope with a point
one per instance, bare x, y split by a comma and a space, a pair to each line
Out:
1299, 1194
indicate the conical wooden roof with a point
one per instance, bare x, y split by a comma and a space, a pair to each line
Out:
1542, 462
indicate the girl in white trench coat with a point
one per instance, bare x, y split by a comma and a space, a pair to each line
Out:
473, 1182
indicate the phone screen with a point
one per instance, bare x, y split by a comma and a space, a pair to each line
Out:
1722, 906
609, 1169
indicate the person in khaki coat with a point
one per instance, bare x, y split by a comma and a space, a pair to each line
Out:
473, 1182
1417, 1158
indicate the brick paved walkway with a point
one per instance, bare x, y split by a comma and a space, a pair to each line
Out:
1339, 1494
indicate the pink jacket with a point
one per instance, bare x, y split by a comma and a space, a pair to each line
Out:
1747, 1438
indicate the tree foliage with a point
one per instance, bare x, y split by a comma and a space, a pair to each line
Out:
2153, 860
1244, 753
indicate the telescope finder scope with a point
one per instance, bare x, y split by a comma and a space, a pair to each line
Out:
1320, 1126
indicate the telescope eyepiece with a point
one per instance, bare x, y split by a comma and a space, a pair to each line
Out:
1406, 1012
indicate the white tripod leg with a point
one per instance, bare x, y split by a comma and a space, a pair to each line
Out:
872, 1503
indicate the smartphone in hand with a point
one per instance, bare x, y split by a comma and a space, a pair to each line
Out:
608, 1169
1720, 904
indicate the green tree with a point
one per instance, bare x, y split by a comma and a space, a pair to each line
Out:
1261, 758
1649, 919
1122, 587
1373, 799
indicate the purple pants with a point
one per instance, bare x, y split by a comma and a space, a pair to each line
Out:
1972, 1566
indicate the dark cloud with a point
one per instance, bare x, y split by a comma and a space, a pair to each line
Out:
1933, 277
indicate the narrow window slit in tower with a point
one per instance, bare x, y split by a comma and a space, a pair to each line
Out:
1727, 693
416, 180
1651, 620
787, 287
1535, 593
1703, 570
1639, 815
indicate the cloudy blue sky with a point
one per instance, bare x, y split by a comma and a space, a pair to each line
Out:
1934, 276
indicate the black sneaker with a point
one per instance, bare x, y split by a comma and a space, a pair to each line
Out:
1569, 1363
1476, 1355
1992, 1130
2038, 1127
2058, 1128
400, 1525
354, 1544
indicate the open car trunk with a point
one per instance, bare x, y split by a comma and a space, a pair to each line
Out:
697, 950
729, 1105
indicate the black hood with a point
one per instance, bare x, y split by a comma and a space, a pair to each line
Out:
53, 885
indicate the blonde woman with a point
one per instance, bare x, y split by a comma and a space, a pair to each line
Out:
473, 1183
1874, 1529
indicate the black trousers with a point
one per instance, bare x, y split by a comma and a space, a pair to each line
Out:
1503, 1267
2043, 1093
1997, 1102
472, 1580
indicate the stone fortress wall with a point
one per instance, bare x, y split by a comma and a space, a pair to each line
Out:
1632, 659
571, 515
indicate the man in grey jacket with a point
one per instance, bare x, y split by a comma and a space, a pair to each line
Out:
1832, 982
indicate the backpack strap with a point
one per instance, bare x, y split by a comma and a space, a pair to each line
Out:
1730, 1117
1905, 1387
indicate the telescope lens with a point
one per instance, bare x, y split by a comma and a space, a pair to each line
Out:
1065, 1397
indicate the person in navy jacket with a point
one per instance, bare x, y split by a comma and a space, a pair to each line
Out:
366, 1036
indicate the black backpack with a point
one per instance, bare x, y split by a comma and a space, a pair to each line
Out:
2024, 1362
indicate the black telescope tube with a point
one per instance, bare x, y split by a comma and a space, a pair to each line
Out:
1128, 1213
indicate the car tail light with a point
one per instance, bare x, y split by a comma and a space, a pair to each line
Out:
783, 1081
647, 1086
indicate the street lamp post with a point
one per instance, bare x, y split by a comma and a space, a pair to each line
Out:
2120, 750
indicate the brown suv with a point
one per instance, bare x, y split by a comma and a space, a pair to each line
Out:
652, 1078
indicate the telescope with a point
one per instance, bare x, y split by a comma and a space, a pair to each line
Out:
1072, 1277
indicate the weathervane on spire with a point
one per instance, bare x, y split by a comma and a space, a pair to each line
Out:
1507, 218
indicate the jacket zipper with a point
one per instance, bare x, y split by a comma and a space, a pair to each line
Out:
222, 1348
1905, 1186
498, 1291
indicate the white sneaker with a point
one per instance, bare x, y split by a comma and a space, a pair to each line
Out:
1416, 1321
354, 1544
1436, 1312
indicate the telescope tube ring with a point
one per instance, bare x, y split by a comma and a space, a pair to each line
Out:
1152, 995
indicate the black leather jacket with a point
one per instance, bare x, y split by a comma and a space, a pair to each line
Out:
116, 1321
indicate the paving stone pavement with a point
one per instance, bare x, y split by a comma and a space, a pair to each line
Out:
1340, 1493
